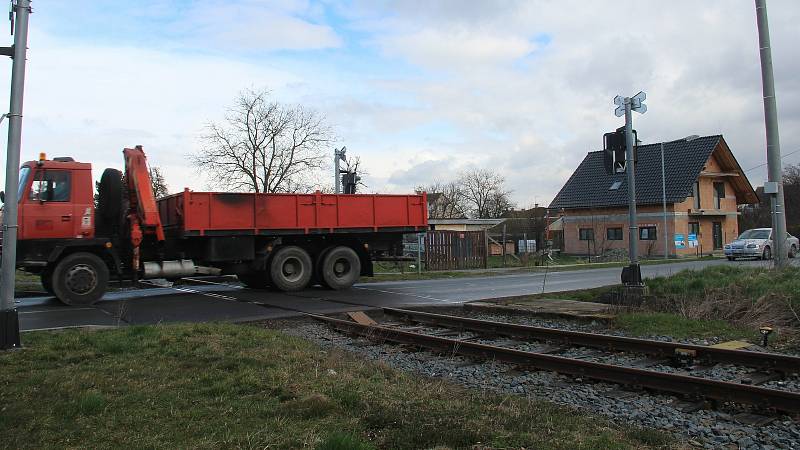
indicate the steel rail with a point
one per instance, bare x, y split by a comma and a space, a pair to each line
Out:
762, 360
786, 401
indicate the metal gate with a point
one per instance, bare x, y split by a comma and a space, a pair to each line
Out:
454, 250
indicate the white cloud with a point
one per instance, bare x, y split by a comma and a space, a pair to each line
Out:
255, 26
90, 101
421, 89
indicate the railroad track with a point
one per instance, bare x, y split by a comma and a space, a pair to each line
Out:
773, 366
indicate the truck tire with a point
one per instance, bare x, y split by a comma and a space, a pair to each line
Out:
793, 251
108, 215
341, 268
256, 280
767, 255
290, 269
318, 267
47, 281
80, 279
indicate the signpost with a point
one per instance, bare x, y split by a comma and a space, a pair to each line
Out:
631, 275
338, 155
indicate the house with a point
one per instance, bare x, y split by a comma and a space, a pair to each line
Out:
704, 186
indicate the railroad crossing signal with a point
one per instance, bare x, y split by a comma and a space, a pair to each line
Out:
637, 103
614, 150
620, 102
631, 275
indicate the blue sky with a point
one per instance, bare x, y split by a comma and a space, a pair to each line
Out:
420, 90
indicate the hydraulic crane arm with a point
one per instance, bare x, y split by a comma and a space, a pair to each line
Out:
143, 212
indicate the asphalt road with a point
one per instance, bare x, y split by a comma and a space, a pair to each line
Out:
205, 300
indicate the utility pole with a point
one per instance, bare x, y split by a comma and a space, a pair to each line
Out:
774, 185
633, 275
9, 320
664, 204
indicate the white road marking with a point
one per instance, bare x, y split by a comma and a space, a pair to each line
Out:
59, 310
68, 327
425, 297
207, 294
214, 282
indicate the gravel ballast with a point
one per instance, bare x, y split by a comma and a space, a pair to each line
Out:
702, 428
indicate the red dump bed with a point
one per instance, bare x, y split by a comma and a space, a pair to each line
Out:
198, 213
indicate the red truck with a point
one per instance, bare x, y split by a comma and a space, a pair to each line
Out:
77, 242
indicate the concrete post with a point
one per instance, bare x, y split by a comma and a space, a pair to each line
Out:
9, 321
774, 165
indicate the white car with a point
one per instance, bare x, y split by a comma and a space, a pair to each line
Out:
757, 243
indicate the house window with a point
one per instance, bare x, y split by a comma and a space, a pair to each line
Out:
694, 228
696, 194
719, 193
647, 233
614, 234
586, 234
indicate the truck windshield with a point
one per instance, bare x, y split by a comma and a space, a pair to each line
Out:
755, 234
24, 173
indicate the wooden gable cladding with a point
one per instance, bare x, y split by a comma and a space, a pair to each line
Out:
745, 194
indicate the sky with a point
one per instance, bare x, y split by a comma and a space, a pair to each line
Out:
419, 90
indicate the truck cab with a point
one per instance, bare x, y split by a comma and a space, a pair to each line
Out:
56, 234
56, 200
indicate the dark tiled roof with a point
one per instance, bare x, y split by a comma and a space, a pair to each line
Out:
589, 186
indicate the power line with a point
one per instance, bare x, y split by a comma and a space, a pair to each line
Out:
764, 164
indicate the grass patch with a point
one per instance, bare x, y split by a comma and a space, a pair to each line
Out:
223, 386
750, 282
666, 324
743, 296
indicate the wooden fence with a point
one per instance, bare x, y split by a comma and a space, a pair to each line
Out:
454, 250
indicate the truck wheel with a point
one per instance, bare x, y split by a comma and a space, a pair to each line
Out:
767, 253
318, 267
80, 279
255, 280
290, 269
793, 251
47, 281
341, 268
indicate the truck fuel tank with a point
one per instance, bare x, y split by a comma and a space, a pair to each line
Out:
176, 269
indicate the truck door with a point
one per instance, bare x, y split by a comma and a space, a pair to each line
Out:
47, 210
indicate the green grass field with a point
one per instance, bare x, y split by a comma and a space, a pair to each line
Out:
222, 386
749, 282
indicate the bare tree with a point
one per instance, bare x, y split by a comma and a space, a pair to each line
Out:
791, 192
160, 188
445, 200
264, 146
485, 193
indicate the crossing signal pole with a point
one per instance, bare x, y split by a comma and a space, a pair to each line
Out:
631, 275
